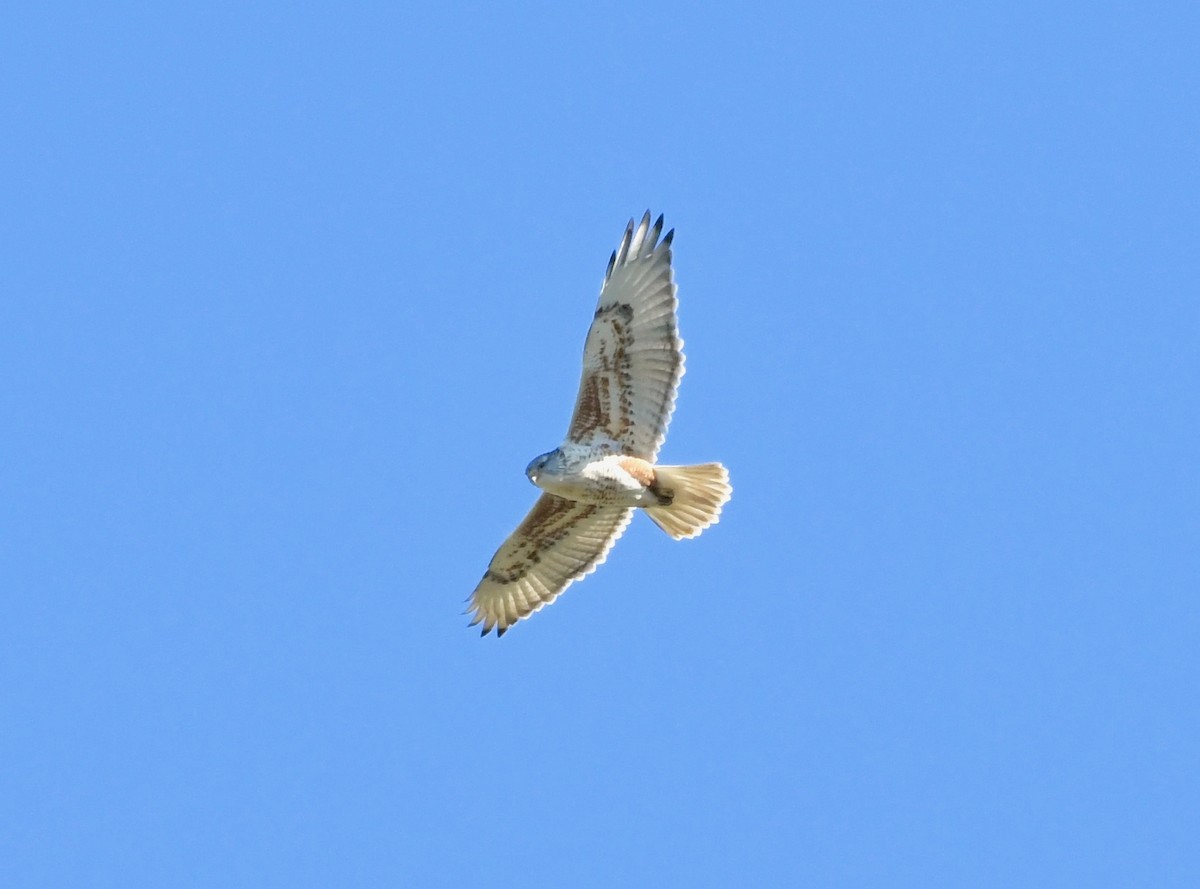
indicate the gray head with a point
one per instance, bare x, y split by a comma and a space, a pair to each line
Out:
539, 464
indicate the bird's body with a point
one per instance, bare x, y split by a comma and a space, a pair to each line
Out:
595, 475
605, 468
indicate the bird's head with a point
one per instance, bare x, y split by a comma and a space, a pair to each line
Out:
537, 465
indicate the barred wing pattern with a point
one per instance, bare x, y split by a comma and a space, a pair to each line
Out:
633, 357
559, 542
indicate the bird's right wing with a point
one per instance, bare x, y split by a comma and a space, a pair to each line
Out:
559, 542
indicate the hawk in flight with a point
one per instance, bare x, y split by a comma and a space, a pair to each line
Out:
605, 468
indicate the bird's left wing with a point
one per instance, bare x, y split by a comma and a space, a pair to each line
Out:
560, 541
633, 357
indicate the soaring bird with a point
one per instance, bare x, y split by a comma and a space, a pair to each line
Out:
605, 468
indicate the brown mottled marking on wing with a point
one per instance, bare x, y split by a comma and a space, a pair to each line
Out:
593, 407
558, 542
604, 405
633, 346
639, 469
548, 522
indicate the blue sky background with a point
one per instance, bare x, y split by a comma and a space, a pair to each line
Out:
289, 296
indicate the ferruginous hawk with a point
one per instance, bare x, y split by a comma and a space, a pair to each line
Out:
605, 468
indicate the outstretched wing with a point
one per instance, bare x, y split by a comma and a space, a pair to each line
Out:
633, 357
560, 541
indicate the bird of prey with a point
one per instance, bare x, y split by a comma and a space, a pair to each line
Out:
605, 468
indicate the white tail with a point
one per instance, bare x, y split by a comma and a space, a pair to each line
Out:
696, 494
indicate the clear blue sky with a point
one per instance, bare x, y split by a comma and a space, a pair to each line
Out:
290, 295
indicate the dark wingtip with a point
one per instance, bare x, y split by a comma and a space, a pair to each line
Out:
500, 631
622, 253
669, 238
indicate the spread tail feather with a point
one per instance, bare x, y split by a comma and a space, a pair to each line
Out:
692, 495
